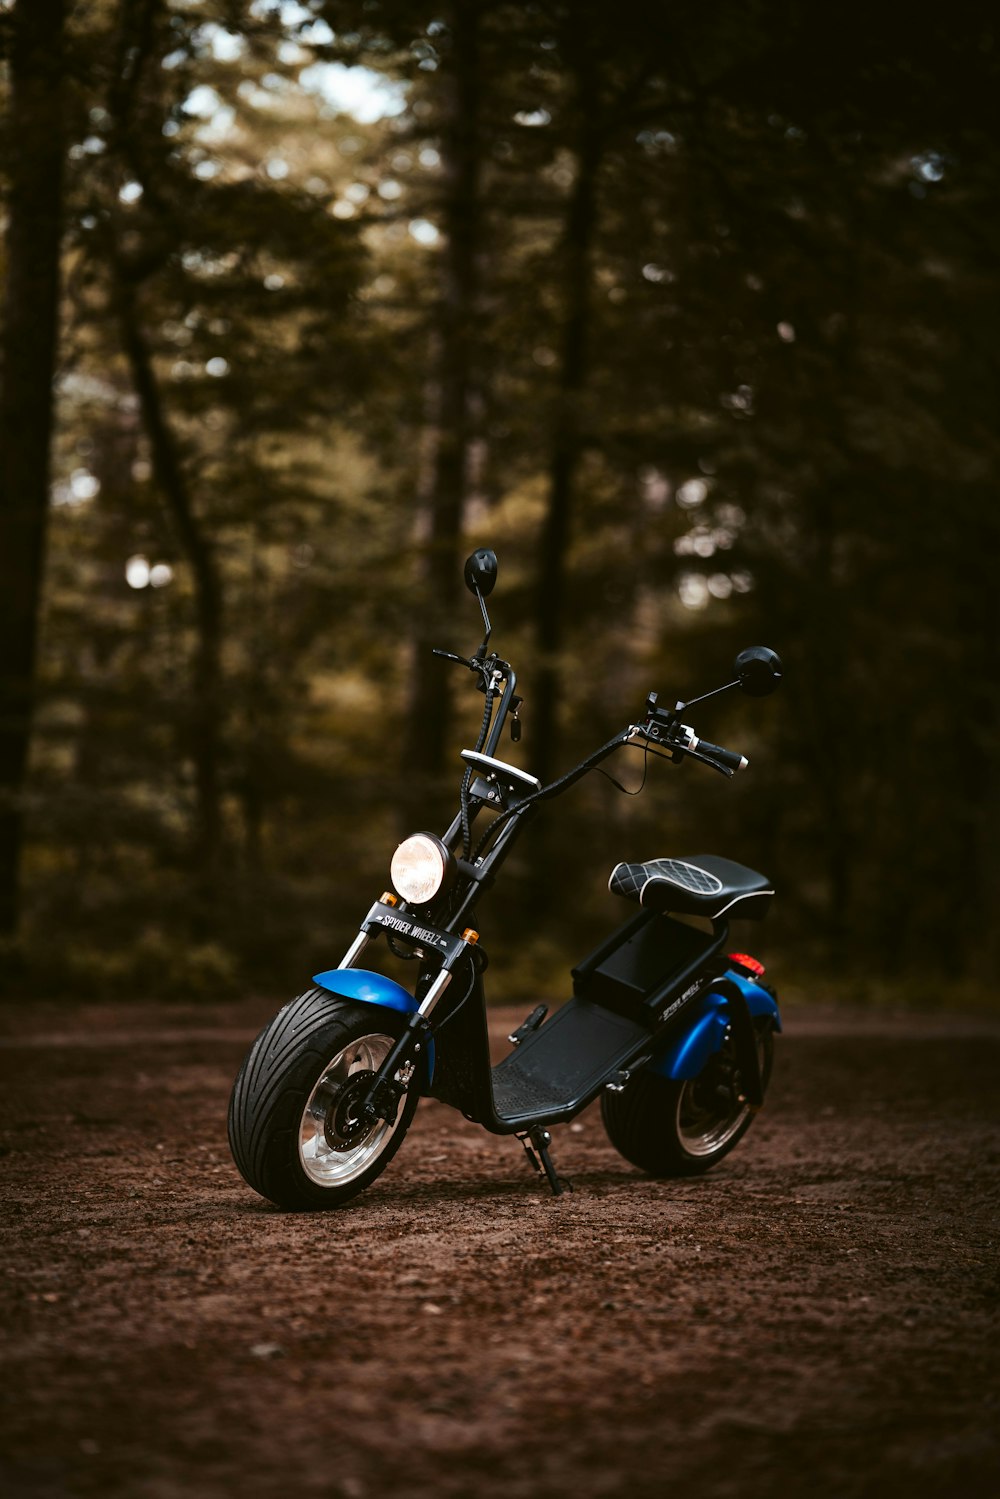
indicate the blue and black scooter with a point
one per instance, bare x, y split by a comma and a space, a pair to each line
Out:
669, 1029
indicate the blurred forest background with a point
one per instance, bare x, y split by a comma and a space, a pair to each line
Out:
689, 311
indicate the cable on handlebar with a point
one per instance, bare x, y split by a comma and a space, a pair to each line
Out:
467, 777
618, 785
553, 789
466, 996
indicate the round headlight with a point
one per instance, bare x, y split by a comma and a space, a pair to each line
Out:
419, 868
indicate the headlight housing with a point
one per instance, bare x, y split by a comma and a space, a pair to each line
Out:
420, 868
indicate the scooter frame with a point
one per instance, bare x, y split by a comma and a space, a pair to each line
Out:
655, 994
561, 1064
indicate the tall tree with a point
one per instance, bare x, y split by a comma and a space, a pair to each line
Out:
589, 131
444, 480
203, 291
35, 138
136, 53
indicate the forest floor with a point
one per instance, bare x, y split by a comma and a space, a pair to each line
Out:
812, 1318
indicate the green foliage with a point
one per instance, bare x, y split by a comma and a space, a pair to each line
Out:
771, 346
147, 965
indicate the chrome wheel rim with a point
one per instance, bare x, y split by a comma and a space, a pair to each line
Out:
332, 1150
704, 1124
700, 1130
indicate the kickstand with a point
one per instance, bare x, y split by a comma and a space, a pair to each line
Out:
536, 1144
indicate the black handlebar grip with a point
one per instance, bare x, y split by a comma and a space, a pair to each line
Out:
729, 758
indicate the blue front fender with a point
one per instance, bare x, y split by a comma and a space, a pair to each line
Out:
686, 1054
368, 988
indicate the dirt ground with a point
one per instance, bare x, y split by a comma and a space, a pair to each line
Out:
814, 1317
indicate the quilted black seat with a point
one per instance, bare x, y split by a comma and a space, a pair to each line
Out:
704, 885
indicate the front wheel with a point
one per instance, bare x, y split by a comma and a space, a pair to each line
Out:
295, 1129
670, 1127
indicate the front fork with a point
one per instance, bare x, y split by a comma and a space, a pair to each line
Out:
388, 1086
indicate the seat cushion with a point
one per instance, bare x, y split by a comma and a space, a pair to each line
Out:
703, 885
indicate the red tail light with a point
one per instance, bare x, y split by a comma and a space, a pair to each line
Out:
752, 965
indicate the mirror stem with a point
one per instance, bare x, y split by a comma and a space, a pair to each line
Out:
486, 621
705, 696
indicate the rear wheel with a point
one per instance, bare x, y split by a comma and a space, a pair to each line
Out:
295, 1127
673, 1127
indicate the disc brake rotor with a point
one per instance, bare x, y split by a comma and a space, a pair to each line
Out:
344, 1126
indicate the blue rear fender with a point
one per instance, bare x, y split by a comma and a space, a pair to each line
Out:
685, 1055
368, 988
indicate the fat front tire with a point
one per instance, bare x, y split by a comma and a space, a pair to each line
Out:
682, 1128
293, 1127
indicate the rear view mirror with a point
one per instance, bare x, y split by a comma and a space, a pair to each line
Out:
481, 572
758, 670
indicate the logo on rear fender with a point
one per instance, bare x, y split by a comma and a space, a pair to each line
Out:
689, 993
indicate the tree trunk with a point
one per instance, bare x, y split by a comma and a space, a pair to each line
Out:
446, 471
26, 399
574, 363
206, 690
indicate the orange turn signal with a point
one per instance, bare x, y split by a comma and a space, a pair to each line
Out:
388, 899
469, 935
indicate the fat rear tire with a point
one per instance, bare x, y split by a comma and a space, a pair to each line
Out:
682, 1128
291, 1131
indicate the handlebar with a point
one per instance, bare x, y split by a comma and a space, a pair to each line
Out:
492, 672
725, 760
660, 728
662, 731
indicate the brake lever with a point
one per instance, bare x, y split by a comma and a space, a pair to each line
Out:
673, 747
451, 656
687, 746
723, 770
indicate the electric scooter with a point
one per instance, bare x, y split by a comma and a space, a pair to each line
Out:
672, 1032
